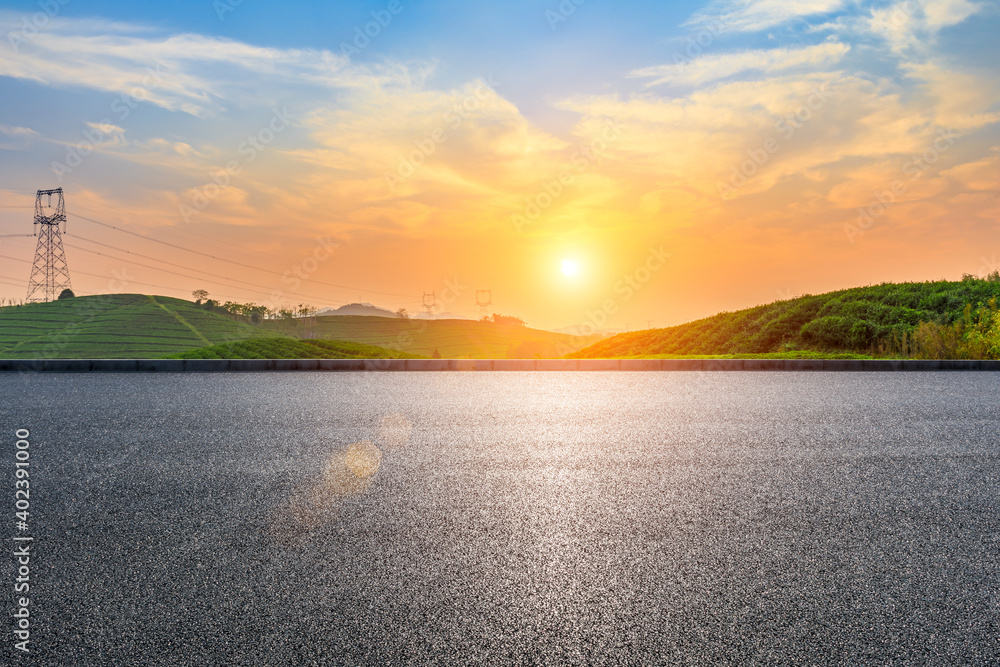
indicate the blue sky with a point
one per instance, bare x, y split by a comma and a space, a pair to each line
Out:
169, 94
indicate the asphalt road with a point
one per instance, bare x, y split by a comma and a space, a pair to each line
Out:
498, 518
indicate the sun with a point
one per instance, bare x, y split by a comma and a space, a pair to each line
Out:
569, 267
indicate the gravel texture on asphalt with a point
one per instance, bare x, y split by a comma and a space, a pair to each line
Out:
500, 518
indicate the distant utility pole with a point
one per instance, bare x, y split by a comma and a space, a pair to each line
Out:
430, 303
484, 300
49, 272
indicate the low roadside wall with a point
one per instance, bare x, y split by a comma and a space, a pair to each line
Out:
258, 365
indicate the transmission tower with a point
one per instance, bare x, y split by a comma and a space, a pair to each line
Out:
484, 300
430, 303
49, 272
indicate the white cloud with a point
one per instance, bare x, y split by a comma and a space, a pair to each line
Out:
16, 131
192, 73
756, 15
943, 13
16, 137
910, 26
714, 67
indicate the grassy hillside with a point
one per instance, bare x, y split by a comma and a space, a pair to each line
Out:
142, 326
451, 338
114, 326
860, 320
289, 348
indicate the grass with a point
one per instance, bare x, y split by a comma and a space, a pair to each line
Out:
114, 326
801, 354
860, 321
453, 339
288, 348
119, 326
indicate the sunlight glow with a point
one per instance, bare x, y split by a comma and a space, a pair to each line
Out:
569, 267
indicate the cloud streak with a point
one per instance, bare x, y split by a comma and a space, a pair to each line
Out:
756, 15
720, 66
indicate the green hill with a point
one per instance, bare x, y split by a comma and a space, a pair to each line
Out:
289, 348
114, 326
452, 339
879, 319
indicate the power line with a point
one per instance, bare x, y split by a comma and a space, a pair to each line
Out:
228, 280
187, 231
152, 268
97, 275
220, 259
11, 281
179, 266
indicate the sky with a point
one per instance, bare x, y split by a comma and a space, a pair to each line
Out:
594, 165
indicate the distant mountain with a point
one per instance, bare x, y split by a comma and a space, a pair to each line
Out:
368, 309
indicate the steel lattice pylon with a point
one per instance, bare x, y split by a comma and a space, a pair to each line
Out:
49, 272
484, 299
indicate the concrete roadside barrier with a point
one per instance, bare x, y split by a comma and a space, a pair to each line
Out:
341, 364
441, 365
840, 364
513, 364
425, 364
722, 364
598, 365
557, 364
682, 364
767, 364
640, 364
470, 364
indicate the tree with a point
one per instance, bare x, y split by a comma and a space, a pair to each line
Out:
66, 294
200, 295
402, 314
435, 354
510, 320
